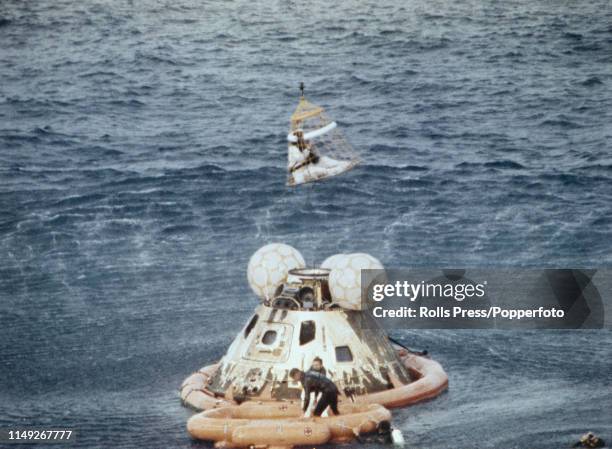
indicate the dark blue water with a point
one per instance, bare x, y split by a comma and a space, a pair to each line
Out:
142, 161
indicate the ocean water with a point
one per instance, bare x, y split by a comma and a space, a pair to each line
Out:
142, 159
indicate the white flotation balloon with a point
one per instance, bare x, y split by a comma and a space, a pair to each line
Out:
331, 262
345, 278
269, 266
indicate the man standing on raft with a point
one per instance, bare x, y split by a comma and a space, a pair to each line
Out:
314, 381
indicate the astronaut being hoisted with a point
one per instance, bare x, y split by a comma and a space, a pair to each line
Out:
317, 149
307, 154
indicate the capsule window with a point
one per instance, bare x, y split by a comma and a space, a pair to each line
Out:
269, 337
308, 331
343, 354
250, 326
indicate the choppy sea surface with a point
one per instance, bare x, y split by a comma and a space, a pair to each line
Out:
142, 162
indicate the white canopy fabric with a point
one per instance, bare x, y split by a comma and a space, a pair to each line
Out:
313, 134
325, 167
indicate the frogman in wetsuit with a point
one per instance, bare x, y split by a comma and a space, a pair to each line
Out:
314, 381
317, 367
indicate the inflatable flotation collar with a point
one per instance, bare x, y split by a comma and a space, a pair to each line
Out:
430, 380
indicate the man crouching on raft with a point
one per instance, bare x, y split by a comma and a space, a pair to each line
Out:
313, 381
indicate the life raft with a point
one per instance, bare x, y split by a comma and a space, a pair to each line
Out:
280, 425
430, 380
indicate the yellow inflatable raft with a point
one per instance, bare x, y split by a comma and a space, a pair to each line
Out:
280, 425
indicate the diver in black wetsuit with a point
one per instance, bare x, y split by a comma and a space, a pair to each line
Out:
317, 367
314, 381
